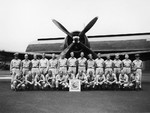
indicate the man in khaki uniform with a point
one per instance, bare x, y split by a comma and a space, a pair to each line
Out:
53, 63
117, 65
99, 64
90, 65
26, 65
15, 67
137, 66
72, 63
35, 66
108, 65
44, 65
62, 64
82, 63
127, 64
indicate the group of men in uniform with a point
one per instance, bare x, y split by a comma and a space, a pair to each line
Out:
93, 73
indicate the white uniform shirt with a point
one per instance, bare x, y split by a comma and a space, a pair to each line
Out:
99, 62
127, 63
15, 63
123, 78
53, 63
137, 63
90, 63
111, 77
26, 63
43, 62
82, 61
108, 63
35, 63
62, 62
117, 63
72, 61
101, 78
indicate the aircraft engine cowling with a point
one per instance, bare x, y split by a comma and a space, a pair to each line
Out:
76, 39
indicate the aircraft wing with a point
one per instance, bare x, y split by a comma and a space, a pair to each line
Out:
7, 56
144, 54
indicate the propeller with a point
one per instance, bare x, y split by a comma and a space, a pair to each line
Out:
65, 51
88, 26
61, 27
88, 50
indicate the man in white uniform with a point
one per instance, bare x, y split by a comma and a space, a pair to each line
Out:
82, 63
72, 63
44, 65
53, 63
127, 63
108, 65
123, 80
90, 65
15, 67
62, 64
35, 66
138, 65
26, 65
99, 62
117, 66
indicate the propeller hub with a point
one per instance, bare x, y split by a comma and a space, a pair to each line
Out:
76, 39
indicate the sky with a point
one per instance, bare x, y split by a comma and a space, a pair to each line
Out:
23, 21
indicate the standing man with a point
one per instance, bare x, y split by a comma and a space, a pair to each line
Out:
35, 66
90, 64
26, 65
82, 63
99, 62
127, 64
138, 65
43, 65
62, 64
53, 63
108, 65
117, 66
72, 63
15, 67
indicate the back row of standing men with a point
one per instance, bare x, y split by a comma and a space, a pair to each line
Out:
98, 66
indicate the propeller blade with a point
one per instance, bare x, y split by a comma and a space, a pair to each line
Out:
65, 51
61, 27
88, 26
88, 50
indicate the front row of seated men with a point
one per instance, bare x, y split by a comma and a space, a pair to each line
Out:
44, 74
61, 81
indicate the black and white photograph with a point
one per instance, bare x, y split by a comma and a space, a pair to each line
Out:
74, 56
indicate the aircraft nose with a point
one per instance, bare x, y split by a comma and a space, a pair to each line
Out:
76, 39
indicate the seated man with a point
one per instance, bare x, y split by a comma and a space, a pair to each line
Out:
29, 81
134, 81
111, 80
61, 82
90, 80
123, 80
18, 83
69, 77
83, 78
39, 81
100, 81
49, 80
